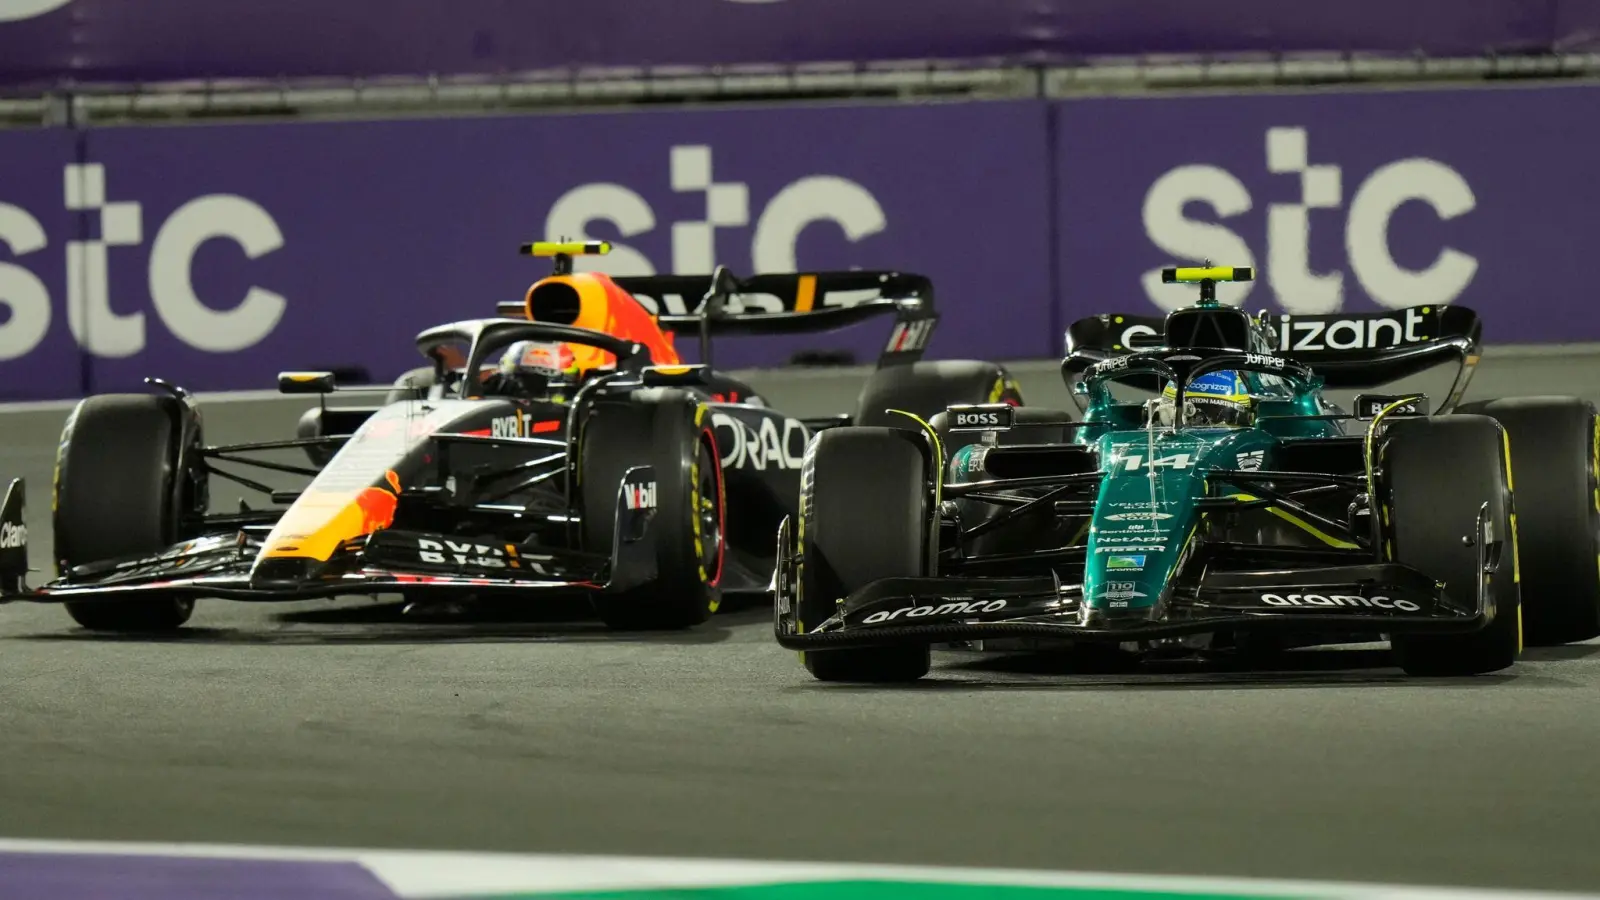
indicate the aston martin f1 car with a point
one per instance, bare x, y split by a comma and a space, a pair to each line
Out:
1235, 509
562, 449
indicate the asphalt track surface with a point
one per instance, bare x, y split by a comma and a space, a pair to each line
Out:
340, 724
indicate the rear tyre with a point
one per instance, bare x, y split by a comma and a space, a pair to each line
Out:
1555, 459
927, 388
115, 497
864, 514
670, 430
1437, 473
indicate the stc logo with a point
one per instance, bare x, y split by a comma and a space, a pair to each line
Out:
1372, 205
777, 226
17, 10
99, 330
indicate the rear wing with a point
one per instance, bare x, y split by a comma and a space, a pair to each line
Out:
790, 303
1351, 351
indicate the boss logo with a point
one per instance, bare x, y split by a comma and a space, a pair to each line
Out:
1369, 406
997, 417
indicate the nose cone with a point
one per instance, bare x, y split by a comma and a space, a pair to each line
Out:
281, 573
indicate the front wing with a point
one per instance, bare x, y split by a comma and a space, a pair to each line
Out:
1370, 597
385, 562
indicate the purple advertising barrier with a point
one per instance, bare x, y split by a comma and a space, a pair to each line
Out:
42, 261
75, 876
1353, 201
272, 247
114, 40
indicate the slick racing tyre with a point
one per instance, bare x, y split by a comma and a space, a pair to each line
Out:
864, 515
1555, 473
1437, 473
927, 388
115, 496
671, 431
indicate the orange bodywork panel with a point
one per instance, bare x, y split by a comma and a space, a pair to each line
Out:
603, 306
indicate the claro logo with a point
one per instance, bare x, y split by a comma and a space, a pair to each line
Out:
777, 226
1373, 204
234, 324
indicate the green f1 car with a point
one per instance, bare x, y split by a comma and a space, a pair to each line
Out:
1238, 508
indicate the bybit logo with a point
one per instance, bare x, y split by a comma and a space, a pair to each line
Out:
1288, 269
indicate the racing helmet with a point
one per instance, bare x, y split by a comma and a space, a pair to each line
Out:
1214, 400
536, 369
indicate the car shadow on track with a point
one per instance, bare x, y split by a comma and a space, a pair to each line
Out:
558, 621
1101, 671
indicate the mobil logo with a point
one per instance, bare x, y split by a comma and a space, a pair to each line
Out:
715, 219
105, 319
1330, 232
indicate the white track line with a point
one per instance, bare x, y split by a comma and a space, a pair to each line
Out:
436, 874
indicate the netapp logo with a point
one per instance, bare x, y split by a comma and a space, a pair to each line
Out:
957, 606
1339, 600
1350, 334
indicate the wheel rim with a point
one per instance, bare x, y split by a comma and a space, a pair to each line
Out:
708, 511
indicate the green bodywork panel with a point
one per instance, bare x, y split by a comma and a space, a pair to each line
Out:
1146, 514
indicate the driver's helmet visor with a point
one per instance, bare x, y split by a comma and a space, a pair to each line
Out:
1215, 400
552, 360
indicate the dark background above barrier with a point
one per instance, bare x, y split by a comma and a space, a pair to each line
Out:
50, 42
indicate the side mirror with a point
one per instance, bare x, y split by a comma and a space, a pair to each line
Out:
305, 382
660, 376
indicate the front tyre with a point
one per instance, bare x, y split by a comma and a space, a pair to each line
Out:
1437, 474
115, 496
671, 431
864, 516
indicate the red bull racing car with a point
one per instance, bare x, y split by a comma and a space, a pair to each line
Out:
562, 446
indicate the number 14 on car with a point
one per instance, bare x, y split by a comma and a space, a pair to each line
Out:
1133, 462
